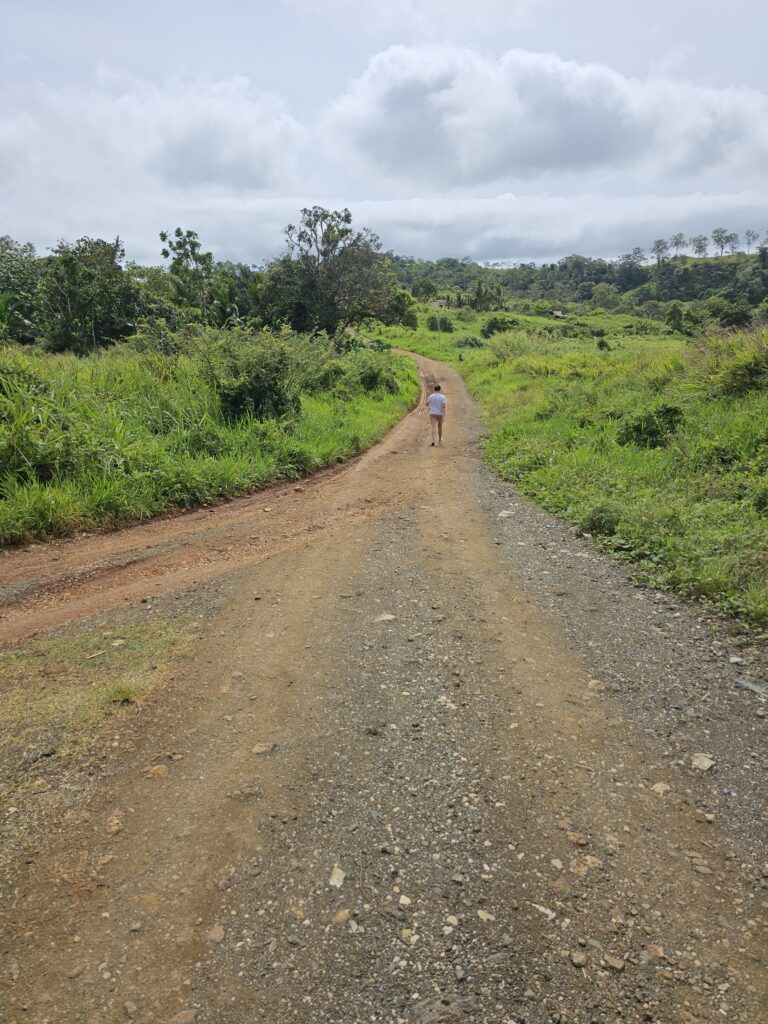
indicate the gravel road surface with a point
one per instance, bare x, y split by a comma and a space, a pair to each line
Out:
432, 759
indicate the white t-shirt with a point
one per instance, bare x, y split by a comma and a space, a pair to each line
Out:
436, 403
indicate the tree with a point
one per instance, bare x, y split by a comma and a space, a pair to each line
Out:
19, 274
190, 269
674, 317
660, 249
700, 245
678, 242
85, 298
732, 241
630, 271
605, 296
720, 238
424, 289
750, 237
331, 276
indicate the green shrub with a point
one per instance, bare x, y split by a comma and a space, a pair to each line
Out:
497, 325
251, 375
600, 520
651, 429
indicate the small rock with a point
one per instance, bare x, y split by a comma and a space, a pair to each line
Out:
76, 972
460, 973
136, 926
613, 962
386, 617
130, 1008
215, 935
702, 761
341, 917
264, 748
184, 1017
405, 901
595, 685
661, 788
452, 920
337, 877
485, 916
736, 660
578, 958
577, 838
655, 952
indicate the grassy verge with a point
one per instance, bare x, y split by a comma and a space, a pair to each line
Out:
63, 700
126, 435
57, 693
653, 443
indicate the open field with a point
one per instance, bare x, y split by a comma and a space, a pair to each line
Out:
654, 443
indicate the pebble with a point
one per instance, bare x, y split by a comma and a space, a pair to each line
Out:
337, 878
264, 748
578, 958
215, 935
184, 1017
702, 761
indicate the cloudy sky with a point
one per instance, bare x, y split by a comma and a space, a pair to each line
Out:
496, 129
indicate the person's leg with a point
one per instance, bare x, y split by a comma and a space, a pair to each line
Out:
440, 429
433, 425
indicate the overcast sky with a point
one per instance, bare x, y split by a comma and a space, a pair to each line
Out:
496, 129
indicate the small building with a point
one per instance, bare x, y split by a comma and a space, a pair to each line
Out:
557, 314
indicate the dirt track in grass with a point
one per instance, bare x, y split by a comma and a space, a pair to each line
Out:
388, 780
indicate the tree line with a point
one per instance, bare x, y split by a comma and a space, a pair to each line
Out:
721, 239
83, 295
731, 292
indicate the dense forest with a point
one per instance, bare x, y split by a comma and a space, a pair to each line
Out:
729, 290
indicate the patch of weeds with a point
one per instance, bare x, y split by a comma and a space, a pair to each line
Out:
601, 520
127, 692
652, 429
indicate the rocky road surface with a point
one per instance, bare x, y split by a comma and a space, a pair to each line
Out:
432, 759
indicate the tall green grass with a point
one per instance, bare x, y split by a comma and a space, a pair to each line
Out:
126, 435
656, 445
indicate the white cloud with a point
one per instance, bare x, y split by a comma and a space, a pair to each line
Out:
119, 131
522, 155
451, 116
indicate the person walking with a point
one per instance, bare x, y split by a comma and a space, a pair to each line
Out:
436, 404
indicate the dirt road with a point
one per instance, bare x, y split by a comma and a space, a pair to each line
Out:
432, 759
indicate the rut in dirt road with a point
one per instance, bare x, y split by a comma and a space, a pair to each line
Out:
398, 788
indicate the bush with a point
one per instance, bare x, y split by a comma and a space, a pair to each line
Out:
497, 325
744, 374
601, 520
440, 323
252, 375
652, 429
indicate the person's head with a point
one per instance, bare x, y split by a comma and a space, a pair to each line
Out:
437, 387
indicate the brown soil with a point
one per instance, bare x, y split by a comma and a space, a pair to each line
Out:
382, 786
